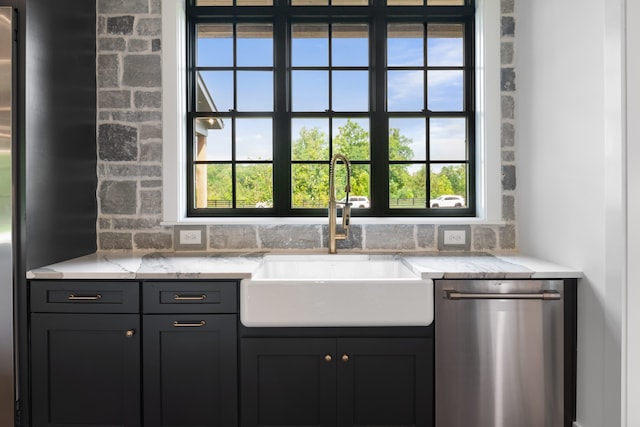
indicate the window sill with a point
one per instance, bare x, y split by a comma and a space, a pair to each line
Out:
324, 220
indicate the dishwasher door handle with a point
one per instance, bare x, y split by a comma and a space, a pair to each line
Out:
545, 295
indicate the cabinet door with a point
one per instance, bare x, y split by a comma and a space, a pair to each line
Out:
288, 382
85, 370
190, 370
385, 382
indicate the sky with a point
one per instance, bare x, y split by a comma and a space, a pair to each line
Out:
350, 89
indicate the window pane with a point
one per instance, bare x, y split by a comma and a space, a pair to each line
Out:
309, 2
254, 2
429, 2
351, 138
447, 139
310, 90
407, 139
213, 139
219, 186
445, 2
360, 186
407, 186
310, 45
215, 45
405, 90
445, 90
310, 139
214, 2
445, 45
405, 45
349, 2
309, 185
255, 45
326, 2
350, 45
254, 186
254, 139
255, 91
350, 91
230, 2
214, 91
405, 2
448, 186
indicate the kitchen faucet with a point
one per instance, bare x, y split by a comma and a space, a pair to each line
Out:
333, 211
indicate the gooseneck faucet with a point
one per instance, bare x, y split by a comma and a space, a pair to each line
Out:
333, 210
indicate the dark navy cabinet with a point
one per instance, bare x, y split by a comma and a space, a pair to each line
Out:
128, 353
344, 381
190, 354
85, 354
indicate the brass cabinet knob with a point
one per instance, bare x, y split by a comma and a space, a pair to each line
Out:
130, 333
328, 358
345, 357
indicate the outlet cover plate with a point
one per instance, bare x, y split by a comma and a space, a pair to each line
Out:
190, 237
454, 238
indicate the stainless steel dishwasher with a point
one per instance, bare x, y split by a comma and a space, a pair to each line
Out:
499, 353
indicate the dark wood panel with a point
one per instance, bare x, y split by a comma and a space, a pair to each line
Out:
190, 370
60, 116
288, 382
85, 370
385, 382
190, 297
84, 296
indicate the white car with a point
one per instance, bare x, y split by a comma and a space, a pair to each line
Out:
357, 202
447, 201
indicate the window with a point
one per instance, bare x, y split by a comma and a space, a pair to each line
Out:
276, 87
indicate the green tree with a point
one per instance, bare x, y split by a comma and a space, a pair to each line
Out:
219, 187
254, 183
311, 144
401, 184
352, 140
310, 182
419, 183
457, 177
440, 185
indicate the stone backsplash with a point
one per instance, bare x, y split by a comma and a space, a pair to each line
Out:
130, 155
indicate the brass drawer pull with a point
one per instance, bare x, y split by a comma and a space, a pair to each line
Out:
178, 324
73, 297
345, 357
196, 298
130, 333
328, 358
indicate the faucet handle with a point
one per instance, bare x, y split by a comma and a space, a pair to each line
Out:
346, 217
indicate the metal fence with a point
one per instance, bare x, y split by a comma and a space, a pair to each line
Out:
416, 202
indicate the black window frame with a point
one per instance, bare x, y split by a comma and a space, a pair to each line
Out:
378, 15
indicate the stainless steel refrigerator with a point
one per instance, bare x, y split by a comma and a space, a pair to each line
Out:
6, 217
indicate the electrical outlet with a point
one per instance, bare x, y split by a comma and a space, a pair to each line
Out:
455, 237
190, 237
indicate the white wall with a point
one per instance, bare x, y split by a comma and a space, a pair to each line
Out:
571, 174
632, 332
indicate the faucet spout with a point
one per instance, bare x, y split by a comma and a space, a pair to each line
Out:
334, 235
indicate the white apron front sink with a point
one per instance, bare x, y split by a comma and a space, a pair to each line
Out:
335, 290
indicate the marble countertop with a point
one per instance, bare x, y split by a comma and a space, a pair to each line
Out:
239, 265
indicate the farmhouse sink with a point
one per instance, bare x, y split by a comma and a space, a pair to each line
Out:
335, 290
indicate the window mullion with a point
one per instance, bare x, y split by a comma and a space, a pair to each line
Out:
379, 117
282, 116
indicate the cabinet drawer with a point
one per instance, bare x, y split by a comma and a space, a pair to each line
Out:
84, 297
190, 297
